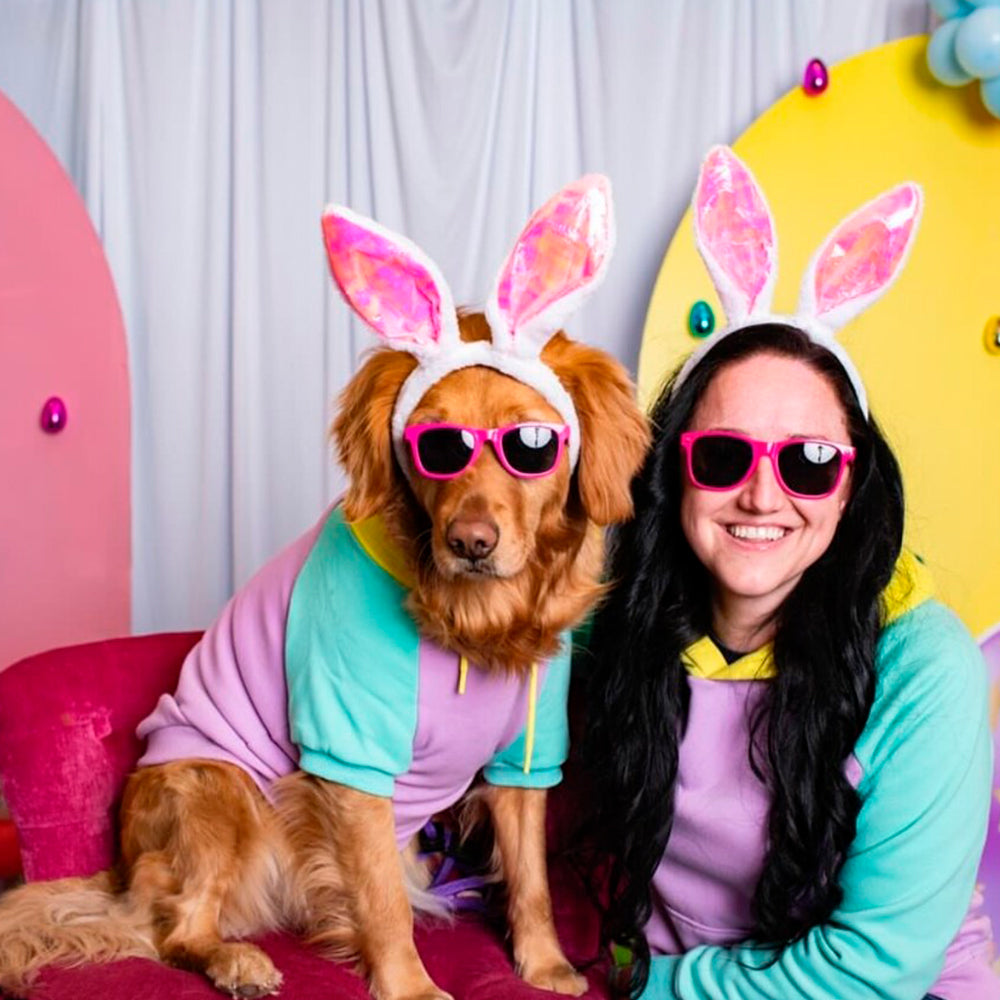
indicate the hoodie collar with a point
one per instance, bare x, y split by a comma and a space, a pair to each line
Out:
911, 584
372, 536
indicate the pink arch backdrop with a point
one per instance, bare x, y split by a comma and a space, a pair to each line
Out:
65, 521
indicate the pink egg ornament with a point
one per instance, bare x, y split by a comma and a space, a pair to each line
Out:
54, 415
816, 77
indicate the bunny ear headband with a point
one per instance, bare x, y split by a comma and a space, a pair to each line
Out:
558, 260
853, 267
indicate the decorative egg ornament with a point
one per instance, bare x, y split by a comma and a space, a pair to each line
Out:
701, 319
816, 77
991, 336
54, 415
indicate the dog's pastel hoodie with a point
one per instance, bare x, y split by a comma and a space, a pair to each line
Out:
317, 665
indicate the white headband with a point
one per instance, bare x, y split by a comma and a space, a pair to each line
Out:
853, 267
559, 259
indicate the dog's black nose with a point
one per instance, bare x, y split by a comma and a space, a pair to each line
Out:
472, 539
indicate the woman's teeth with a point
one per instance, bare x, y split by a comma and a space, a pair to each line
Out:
757, 533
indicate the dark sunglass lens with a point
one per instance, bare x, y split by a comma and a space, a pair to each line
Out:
719, 461
530, 448
809, 467
445, 450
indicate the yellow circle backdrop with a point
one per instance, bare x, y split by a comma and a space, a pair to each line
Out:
932, 384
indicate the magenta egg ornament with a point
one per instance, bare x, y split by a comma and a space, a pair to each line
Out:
816, 77
54, 415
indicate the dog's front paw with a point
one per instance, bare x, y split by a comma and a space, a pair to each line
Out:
560, 978
243, 971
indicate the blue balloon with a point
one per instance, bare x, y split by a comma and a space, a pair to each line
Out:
982, 3
941, 56
952, 8
989, 90
977, 43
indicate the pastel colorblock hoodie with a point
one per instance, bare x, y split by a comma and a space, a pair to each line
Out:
922, 768
316, 665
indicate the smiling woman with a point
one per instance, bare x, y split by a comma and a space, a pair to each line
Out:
784, 724
756, 538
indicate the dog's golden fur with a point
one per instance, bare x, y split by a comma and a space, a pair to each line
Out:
508, 620
207, 860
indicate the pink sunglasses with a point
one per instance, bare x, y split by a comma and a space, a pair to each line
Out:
527, 450
807, 468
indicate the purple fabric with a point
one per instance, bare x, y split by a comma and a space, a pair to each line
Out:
716, 850
456, 734
231, 701
989, 866
967, 968
704, 885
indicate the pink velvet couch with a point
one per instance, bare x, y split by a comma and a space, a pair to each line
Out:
67, 742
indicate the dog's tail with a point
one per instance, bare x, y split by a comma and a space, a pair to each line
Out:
68, 922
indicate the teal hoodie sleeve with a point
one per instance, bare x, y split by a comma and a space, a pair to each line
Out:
908, 878
551, 743
351, 663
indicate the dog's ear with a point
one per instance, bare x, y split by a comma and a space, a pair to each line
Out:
362, 432
615, 434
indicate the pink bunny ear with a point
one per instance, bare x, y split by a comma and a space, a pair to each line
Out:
862, 257
735, 235
389, 282
559, 259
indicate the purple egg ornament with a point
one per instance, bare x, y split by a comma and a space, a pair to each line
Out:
815, 78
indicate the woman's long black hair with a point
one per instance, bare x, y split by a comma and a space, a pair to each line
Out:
816, 707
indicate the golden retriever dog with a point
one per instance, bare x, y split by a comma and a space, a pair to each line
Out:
500, 565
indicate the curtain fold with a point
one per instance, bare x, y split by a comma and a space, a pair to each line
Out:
205, 137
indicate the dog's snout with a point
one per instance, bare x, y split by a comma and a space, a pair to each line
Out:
472, 539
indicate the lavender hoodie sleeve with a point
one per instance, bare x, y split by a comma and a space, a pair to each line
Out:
908, 878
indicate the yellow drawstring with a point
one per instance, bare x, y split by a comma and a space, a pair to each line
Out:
529, 736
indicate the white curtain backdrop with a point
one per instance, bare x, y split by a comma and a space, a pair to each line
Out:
205, 137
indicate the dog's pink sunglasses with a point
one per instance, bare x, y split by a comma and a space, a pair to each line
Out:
527, 450
806, 468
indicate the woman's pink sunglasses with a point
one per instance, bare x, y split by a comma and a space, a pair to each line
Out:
807, 468
526, 450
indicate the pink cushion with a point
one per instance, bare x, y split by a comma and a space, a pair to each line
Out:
467, 959
67, 743
10, 854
